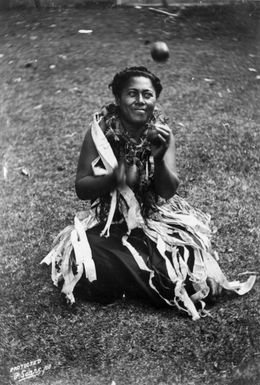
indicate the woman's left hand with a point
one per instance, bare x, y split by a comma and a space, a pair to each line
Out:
161, 143
163, 151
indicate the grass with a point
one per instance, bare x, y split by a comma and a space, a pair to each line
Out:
44, 112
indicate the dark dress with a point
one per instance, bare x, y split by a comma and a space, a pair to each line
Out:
134, 244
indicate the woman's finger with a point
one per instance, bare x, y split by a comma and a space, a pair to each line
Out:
164, 132
121, 174
162, 139
162, 127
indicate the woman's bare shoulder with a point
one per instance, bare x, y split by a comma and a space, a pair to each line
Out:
88, 134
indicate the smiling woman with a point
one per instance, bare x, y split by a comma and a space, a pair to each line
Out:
136, 103
139, 239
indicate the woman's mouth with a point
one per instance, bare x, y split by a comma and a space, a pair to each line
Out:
140, 109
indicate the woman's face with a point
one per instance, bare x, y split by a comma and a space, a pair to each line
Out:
137, 100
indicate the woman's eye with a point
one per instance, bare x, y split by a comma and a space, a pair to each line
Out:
131, 94
148, 95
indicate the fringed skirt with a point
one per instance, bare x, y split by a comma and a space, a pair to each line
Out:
168, 260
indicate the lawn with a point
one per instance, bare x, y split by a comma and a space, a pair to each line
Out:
52, 80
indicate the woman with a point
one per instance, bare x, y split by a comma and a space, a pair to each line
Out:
139, 239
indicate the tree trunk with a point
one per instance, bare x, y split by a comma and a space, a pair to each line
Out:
165, 3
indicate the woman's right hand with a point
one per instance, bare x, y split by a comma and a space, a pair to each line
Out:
120, 174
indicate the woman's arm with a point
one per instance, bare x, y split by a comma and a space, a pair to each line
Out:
89, 186
165, 174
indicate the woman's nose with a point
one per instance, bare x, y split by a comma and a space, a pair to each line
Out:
140, 98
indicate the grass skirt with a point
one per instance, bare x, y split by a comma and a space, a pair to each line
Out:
167, 259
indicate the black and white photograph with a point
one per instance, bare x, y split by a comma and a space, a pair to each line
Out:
130, 207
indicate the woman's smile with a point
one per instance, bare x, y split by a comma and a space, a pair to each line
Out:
142, 110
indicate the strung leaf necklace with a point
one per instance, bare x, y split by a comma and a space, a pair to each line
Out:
137, 157
134, 152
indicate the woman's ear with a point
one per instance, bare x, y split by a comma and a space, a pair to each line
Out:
117, 100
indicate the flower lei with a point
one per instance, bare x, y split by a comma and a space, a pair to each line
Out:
133, 152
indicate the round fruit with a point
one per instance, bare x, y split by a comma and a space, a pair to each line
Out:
160, 51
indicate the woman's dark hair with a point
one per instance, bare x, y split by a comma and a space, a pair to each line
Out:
121, 78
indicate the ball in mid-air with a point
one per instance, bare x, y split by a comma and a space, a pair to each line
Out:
160, 51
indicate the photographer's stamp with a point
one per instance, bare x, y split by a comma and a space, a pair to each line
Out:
28, 370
